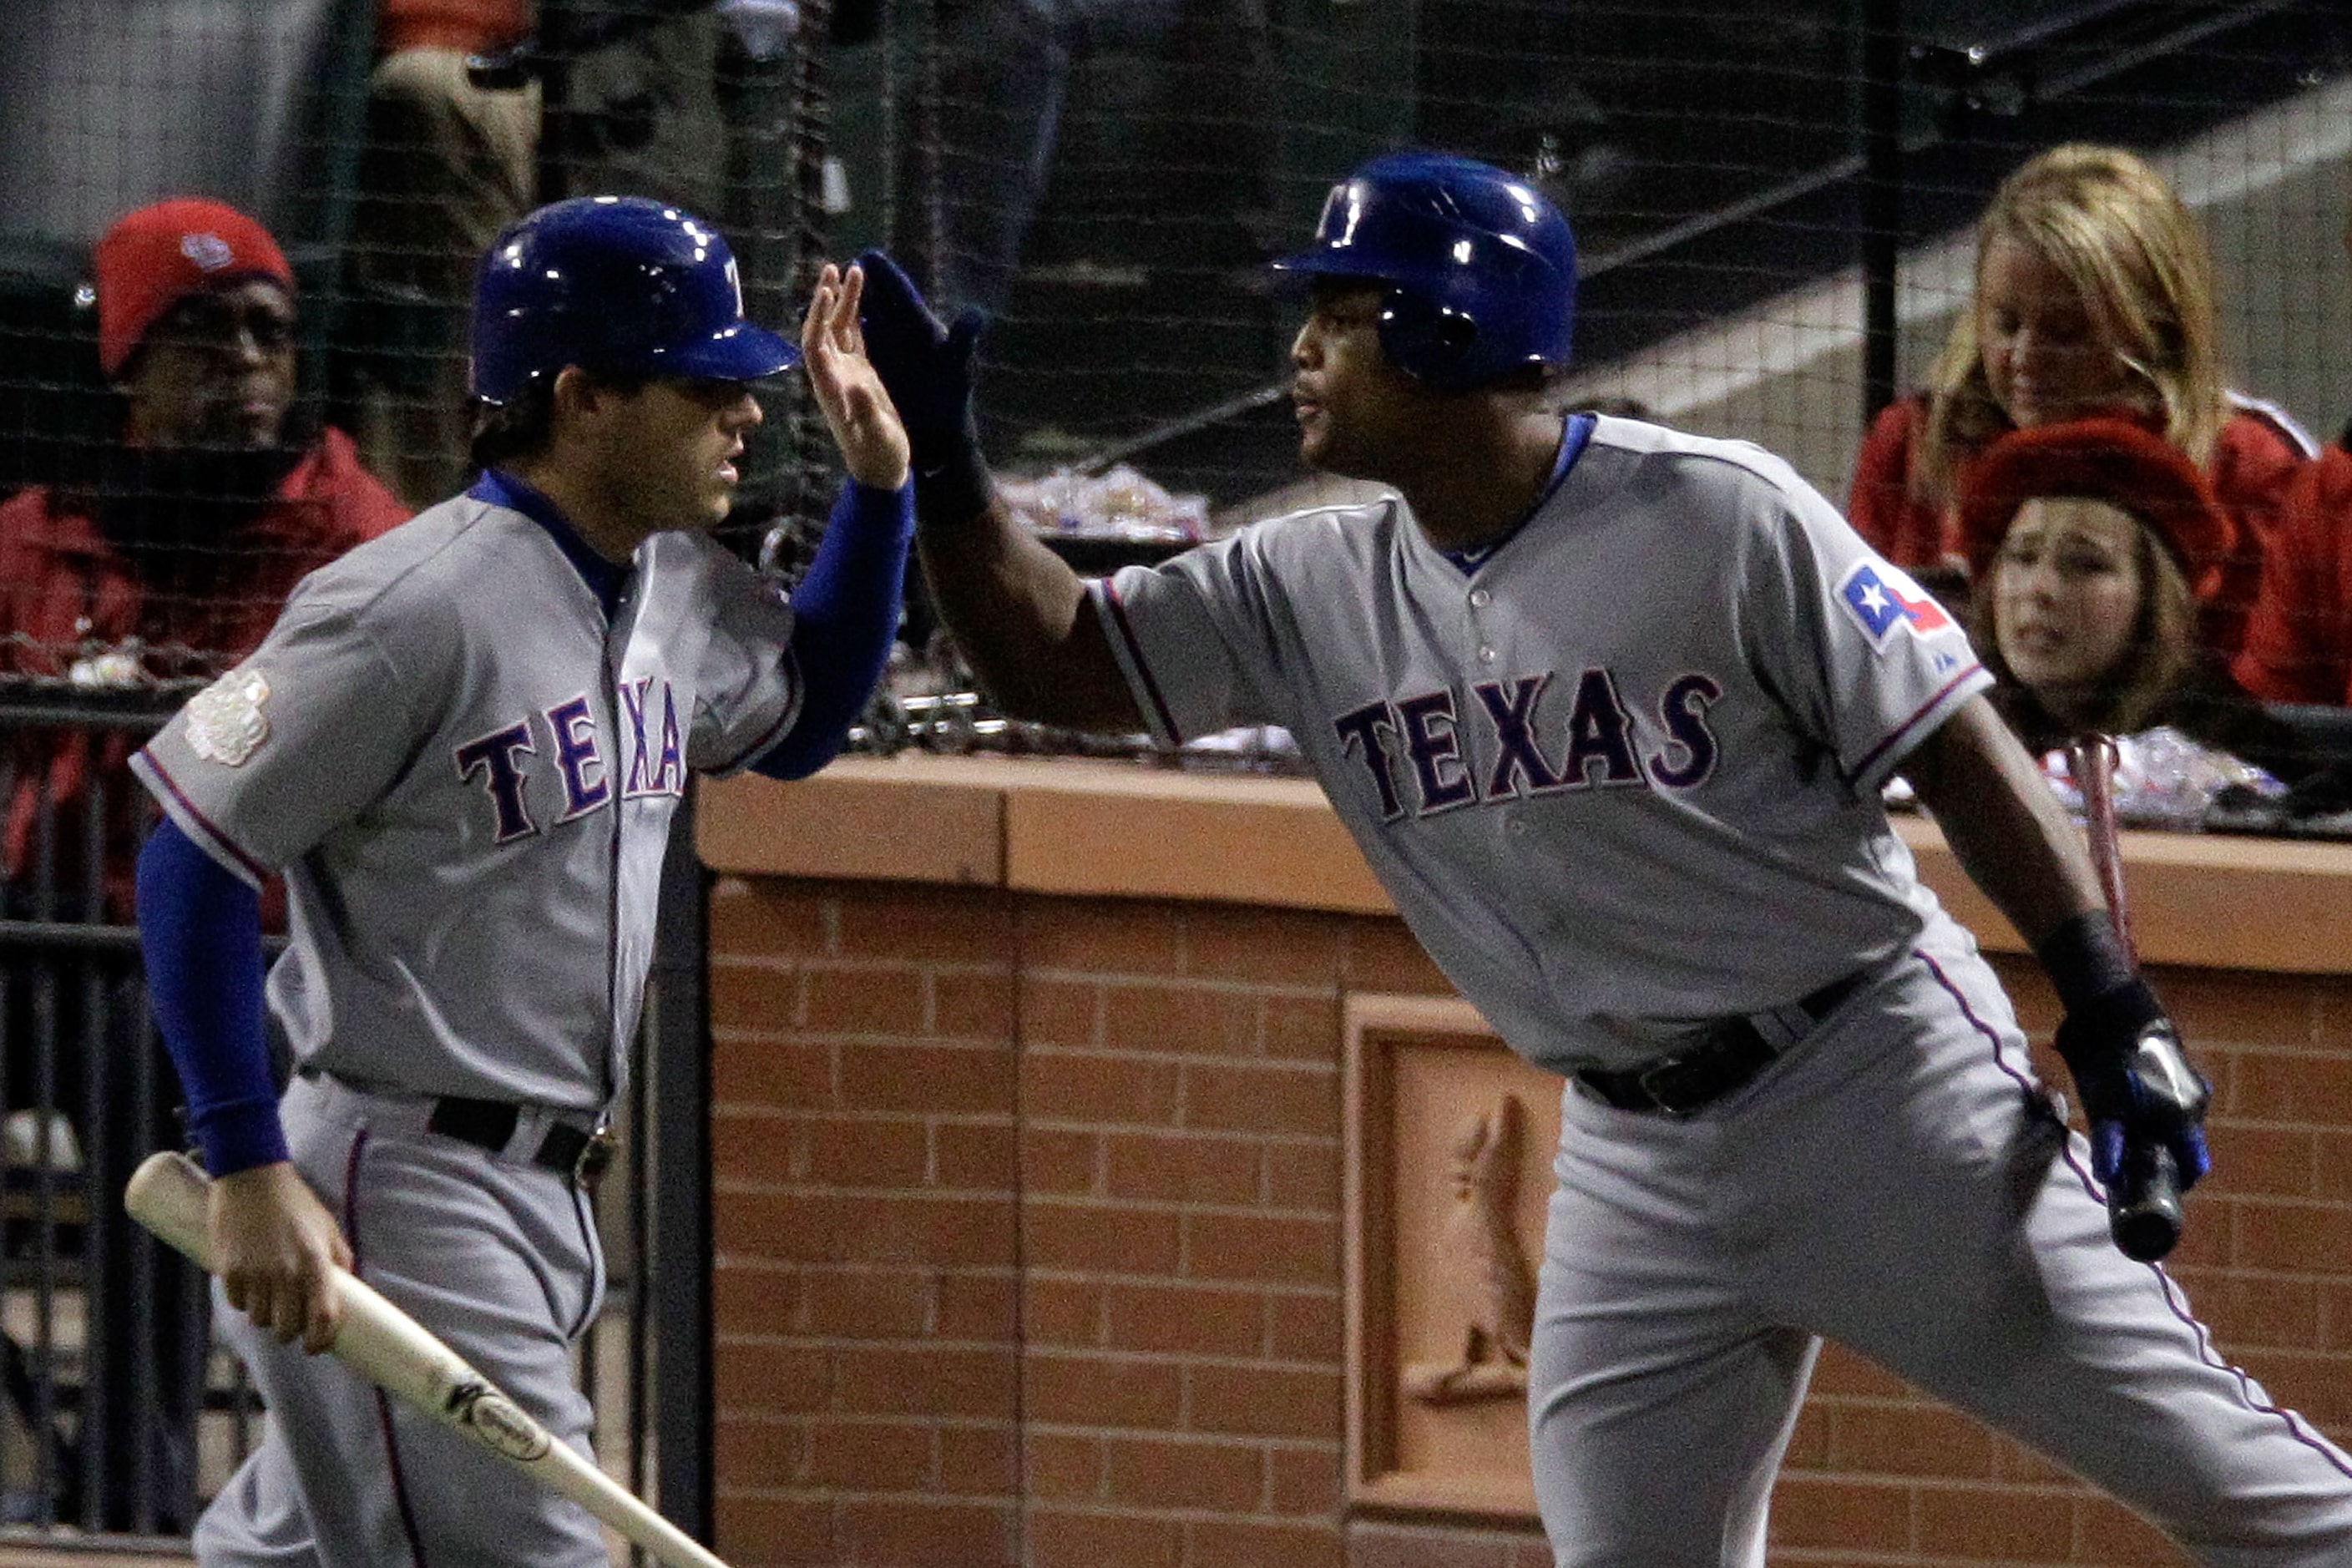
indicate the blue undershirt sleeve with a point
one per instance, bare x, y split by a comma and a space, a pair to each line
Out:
201, 928
845, 614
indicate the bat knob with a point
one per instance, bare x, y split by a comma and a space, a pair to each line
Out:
2144, 1208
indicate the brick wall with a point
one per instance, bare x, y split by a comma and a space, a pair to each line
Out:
1029, 1249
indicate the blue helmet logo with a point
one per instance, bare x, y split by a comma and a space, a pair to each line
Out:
618, 284
1481, 266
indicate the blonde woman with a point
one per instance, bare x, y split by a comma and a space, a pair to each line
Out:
2093, 297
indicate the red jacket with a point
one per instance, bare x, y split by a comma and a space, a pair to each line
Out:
2254, 463
2299, 640
69, 599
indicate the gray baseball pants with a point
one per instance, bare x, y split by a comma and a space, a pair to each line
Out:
1894, 1182
496, 1256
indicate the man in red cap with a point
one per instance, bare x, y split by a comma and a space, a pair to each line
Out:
163, 559
168, 557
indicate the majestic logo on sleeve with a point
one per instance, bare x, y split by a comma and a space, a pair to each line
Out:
1881, 599
226, 724
1423, 739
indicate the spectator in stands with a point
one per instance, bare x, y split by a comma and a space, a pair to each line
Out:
2298, 646
2094, 296
451, 160
172, 559
2111, 586
167, 561
447, 166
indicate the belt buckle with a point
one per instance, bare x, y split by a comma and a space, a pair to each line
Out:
1650, 1080
595, 1158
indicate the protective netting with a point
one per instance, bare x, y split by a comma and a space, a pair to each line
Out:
1746, 183
1773, 207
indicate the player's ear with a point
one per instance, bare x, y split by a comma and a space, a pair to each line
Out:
571, 392
577, 396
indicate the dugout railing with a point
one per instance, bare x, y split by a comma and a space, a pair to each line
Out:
94, 1440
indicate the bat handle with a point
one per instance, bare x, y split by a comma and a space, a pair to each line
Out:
2144, 1206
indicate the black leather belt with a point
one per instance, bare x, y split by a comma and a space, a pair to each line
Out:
1727, 1054
490, 1124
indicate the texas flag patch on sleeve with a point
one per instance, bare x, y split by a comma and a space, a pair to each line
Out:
1883, 599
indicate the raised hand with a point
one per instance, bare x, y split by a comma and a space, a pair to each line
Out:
927, 365
928, 368
857, 408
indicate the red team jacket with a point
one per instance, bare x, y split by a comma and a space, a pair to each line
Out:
2299, 643
68, 593
2252, 467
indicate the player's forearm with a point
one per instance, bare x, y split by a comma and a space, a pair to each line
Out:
1021, 616
2003, 823
201, 928
845, 616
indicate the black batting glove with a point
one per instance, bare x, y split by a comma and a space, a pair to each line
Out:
2140, 1092
928, 368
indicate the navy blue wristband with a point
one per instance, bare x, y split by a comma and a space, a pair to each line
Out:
2085, 958
953, 486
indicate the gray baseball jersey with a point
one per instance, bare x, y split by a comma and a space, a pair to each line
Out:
467, 776
1622, 778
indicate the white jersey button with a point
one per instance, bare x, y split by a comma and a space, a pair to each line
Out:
1485, 656
1480, 598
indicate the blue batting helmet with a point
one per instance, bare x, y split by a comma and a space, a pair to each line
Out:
618, 284
1481, 266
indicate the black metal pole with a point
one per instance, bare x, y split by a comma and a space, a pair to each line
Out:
675, 1256
558, 47
1882, 197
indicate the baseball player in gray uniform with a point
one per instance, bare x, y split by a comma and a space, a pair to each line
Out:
1608, 709
463, 745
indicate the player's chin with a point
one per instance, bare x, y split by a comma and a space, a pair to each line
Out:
717, 502
1315, 445
1341, 459
700, 516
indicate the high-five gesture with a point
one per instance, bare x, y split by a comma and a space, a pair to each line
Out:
866, 426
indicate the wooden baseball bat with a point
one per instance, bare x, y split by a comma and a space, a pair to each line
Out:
168, 1195
2144, 1211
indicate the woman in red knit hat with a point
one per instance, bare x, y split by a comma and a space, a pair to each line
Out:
2112, 587
2094, 296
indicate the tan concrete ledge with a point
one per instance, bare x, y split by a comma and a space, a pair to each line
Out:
1134, 830
1046, 825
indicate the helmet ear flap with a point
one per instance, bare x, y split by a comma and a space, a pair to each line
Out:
1433, 344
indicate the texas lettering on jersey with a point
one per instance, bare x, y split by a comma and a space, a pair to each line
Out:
654, 744
1527, 750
